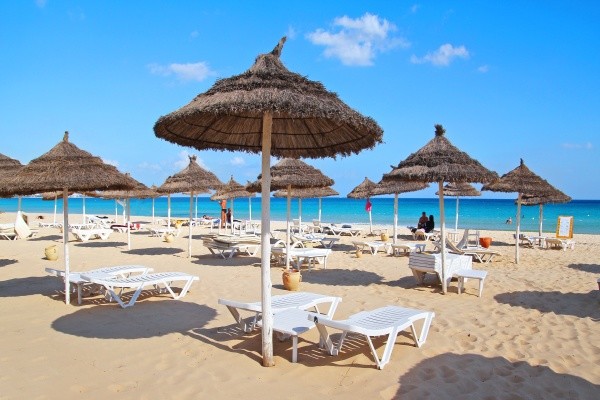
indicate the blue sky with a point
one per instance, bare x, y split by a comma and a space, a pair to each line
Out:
507, 79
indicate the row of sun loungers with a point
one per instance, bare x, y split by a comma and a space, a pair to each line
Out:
297, 313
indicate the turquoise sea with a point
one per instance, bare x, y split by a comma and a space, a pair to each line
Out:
473, 213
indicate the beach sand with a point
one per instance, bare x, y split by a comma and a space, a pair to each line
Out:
534, 334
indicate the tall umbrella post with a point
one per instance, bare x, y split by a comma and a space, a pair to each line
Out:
443, 236
66, 244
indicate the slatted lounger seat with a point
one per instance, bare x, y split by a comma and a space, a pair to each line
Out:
422, 263
83, 235
161, 281
227, 246
389, 320
76, 279
279, 303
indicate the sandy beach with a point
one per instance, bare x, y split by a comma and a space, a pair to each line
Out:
535, 332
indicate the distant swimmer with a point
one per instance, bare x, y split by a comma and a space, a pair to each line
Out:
509, 220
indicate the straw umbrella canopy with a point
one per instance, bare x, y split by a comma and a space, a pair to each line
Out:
523, 181
557, 197
365, 190
440, 161
272, 111
289, 174
8, 167
192, 179
458, 189
138, 191
395, 188
231, 190
68, 168
308, 193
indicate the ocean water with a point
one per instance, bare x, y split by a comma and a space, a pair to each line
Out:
473, 213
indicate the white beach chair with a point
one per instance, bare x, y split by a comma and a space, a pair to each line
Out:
557, 243
373, 247
389, 320
300, 300
422, 263
23, 230
83, 235
139, 282
76, 278
7, 231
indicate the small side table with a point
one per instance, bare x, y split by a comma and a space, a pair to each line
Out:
473, 274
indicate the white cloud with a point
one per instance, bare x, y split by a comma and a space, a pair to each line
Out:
238, 161
111, 162
291, 32
483, 69
184, 161
443, 56
357, 41
186, 72
149, 166
577, 146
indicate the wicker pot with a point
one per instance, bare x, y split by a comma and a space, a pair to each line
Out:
291, 280
384, 237
169, 238
51, 253
358, 253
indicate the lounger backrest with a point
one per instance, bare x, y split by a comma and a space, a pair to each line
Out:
21, 227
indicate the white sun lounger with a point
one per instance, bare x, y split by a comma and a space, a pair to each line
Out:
300, 300
76, 279
373, 246
111, 283
390, 321
83, 235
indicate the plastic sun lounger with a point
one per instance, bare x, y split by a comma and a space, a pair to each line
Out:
560, 244
300, 300
373, 247
83, 235
76, 279
390, 321
139, 282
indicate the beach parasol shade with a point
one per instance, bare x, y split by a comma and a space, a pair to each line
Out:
395, 188
524, 182
271, 111
192, 179
459, 189
307, 193
365, 190
440, 161
556, 197
68, 168
8, 167
292, 173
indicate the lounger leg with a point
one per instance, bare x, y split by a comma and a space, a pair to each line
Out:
387, 351
295, 349
326, 340
420, 339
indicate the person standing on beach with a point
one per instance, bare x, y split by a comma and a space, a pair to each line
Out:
223, 212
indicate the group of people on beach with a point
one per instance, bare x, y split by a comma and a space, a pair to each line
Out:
427, 224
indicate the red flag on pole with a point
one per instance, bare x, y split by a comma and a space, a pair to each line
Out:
368, 206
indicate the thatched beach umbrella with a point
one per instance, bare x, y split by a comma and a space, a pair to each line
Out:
272, 111
365, 190
308, 193
8, 167
523, 181
138, 191
289, 174
65, 167
458, 189
440, 161
530, 200
231, 190
395, 188
192, 179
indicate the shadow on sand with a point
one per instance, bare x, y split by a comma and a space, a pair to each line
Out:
582, 305
144, 320
471, 376
593, 268
33, 285
4, 263
153, 251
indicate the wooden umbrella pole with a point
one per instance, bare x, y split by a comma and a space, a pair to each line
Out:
127, 200
83, 209
66, 244
287, 229
55, 201
456, 217
232, 217
518, 233
168, 210
443, 236
153, 211
541, 219
395, 217
265, 262
320, 209
299, 214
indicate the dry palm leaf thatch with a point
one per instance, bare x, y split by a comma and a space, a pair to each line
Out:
307, 193
138, 191
396, 187
293, 173
192, 178
521, 180
555, 198
460, 189
231, 190
366, 189
65, 166
440, 161
8, 167
308, 120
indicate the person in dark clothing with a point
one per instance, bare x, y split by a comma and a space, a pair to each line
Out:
430, 224
421, 224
